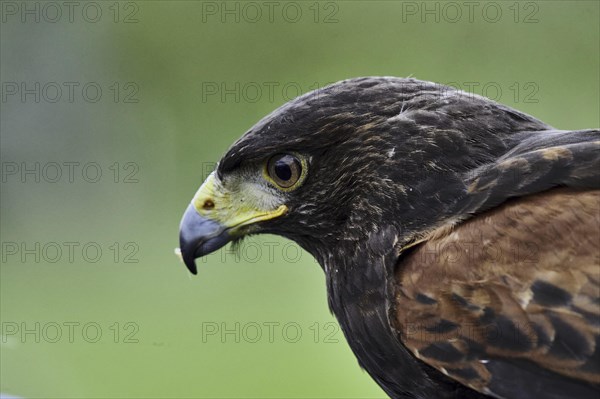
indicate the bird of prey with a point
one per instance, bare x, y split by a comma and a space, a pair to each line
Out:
460, 238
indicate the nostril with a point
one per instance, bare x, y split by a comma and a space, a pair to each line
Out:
208, 204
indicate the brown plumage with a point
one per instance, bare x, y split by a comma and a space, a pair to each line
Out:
519, 283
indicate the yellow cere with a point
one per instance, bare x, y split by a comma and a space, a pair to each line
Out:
214, 202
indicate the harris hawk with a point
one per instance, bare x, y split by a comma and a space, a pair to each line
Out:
460, 238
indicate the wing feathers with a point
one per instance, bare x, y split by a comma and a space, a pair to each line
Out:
544, 161
519, 284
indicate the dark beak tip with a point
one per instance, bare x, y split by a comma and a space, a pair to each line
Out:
190, 263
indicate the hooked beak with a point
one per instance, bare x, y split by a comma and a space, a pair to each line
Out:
214, 218
199, 236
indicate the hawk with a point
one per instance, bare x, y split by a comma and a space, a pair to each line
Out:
460, 238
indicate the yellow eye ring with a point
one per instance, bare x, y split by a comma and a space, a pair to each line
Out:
286, 171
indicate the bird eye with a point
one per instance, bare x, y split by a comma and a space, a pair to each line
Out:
284, 170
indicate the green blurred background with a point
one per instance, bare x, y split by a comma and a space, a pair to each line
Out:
180, 81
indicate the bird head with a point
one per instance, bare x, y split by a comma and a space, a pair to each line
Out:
332, 166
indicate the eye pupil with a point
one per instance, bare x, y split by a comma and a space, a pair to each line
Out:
283, 170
